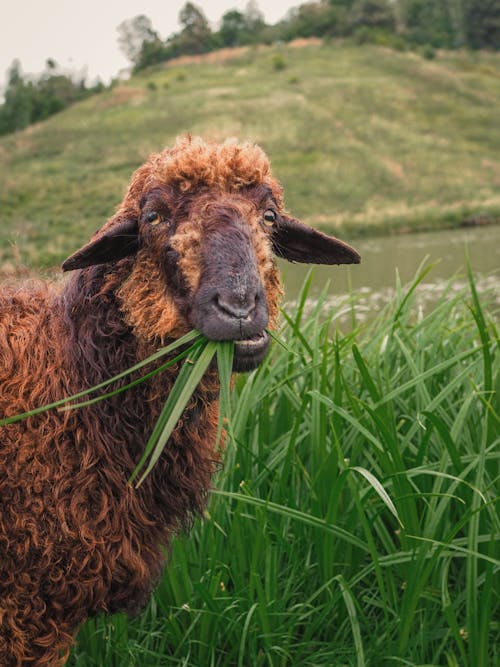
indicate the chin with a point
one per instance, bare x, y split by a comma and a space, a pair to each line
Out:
249, 353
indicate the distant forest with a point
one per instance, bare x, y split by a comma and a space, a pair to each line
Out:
401, 24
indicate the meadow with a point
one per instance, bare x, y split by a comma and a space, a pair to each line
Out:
365, 140
355, 519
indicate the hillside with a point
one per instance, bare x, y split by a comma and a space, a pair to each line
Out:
364, 139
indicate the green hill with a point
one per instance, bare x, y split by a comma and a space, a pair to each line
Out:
365, 140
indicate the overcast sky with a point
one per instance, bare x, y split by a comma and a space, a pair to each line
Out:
83, 34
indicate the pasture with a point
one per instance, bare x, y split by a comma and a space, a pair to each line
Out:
355, 520
365, 140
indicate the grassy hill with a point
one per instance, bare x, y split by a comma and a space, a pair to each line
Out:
364, 139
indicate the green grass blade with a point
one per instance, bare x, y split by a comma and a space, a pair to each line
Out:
130, 385
353, 617
189, 337
225, 354
297, 515
379, 489
184, 387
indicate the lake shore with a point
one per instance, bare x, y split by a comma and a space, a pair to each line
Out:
376, 224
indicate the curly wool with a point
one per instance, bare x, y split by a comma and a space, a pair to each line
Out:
75, 539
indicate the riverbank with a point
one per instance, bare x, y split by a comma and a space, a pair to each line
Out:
360, 292
400, 220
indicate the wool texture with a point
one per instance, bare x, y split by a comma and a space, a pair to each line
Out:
75, 539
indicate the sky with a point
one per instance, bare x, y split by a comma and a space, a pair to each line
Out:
82, 35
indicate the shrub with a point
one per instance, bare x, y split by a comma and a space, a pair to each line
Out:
279, 62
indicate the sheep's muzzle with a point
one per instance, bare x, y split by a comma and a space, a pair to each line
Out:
230, 302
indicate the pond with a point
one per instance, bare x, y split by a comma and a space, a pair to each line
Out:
373, 281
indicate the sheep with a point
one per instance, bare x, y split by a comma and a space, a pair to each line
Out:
192, 245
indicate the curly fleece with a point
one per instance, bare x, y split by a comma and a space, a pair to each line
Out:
75, 539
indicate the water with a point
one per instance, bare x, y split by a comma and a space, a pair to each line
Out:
383, 258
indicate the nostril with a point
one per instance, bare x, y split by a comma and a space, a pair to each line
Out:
238, 308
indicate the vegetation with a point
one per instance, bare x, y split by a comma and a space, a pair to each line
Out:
31, 99
365, 140
355, 521
403, 24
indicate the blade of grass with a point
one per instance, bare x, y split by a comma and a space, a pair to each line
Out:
225, 354
191, 336
379, 489
353, 618
297, 515
184, 387
130, 385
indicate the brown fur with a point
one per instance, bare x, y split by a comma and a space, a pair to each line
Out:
75, 539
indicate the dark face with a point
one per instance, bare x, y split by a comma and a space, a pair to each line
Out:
230, 302
213, 255
216, 252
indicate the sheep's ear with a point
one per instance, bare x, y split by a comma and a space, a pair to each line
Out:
297, 242
120, 240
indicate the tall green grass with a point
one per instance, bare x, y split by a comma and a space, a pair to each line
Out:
355, 521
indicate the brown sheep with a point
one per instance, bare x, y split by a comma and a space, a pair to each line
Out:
191, 246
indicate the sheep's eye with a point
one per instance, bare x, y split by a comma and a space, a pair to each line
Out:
269, 217
153, 218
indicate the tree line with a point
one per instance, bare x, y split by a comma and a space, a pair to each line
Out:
28, 100
449, 24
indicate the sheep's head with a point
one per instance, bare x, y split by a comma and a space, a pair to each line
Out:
200, 226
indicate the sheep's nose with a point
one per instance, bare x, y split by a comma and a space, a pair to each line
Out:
228, 314
238, 306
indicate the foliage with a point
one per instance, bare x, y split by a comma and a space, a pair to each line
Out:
365, 141
319, 19
430, 23
356, 519
373, 14
196, 36
482, 24
31, 100
233, 28
440, 23
238, 28
450, 24
134, 35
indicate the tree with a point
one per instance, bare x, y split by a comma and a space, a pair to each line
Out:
28, 100
254, 18
428, 22
133, 33
233, 28
196, 36
315, 19
54, 91
482, 23
152, 52
373, 14
16, 111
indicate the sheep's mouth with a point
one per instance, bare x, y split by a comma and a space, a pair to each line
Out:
250, 352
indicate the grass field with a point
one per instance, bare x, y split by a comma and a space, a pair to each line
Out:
366, 140
355, 521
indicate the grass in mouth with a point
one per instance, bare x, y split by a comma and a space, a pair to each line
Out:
197, 357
